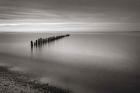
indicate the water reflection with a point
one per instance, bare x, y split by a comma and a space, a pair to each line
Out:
100, 63
40, 42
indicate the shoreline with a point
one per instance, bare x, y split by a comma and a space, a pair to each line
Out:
16, 82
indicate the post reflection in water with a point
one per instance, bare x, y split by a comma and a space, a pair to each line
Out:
40, 42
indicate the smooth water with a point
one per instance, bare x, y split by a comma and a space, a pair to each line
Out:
83, 62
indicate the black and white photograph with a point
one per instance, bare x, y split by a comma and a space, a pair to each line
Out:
69, 46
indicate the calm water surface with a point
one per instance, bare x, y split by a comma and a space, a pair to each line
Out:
85, 63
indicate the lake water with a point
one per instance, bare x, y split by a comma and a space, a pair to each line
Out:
83, 62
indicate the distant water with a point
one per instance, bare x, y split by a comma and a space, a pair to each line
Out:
83, 62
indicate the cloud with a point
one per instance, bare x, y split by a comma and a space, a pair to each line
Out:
71, 12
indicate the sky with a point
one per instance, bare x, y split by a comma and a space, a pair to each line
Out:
69, 15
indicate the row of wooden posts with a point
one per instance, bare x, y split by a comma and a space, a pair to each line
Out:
42, 41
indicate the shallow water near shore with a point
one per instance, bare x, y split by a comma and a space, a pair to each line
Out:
83, 62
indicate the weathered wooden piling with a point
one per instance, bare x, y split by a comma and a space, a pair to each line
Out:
32, 44
41, 41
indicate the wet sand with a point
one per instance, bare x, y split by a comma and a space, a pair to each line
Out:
15, 81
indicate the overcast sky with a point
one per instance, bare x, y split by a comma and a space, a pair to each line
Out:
69, 15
